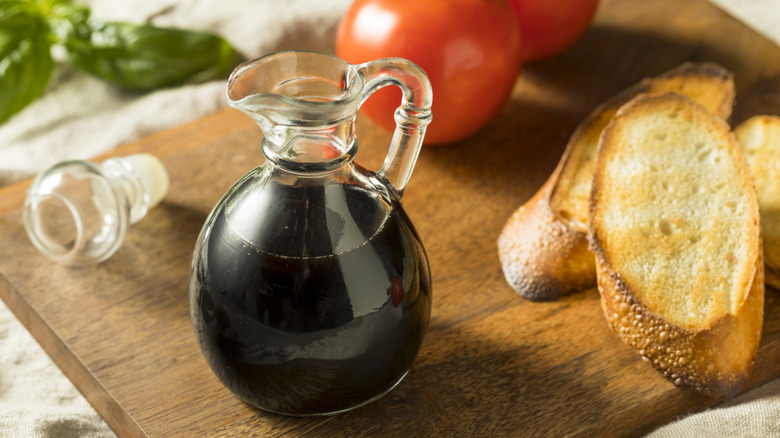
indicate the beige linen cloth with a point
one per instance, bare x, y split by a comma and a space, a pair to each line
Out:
80, 117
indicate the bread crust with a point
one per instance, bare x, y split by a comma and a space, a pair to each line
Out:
698, 359
542, 257
713, 357
542, 248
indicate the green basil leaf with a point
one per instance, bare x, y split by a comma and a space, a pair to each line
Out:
25, 57
148, 57
65, 17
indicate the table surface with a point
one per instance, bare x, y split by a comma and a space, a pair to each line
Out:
492, 363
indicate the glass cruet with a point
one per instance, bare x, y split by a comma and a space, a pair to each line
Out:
310, 290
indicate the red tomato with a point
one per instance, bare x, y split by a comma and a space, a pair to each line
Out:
470, 50
548, 27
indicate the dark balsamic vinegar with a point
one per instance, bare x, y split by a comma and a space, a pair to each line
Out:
312, 334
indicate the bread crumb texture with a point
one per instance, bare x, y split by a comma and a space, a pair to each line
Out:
676, 230
759, 138
708, 84
678, 215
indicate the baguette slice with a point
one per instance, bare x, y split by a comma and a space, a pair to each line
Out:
759, 137
675, 228
543, 247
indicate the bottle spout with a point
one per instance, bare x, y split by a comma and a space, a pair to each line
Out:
304, 102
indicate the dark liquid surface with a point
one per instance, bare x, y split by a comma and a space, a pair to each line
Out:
312, 335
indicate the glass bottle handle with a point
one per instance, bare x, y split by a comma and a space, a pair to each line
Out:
411, 117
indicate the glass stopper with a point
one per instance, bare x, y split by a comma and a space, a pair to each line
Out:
77, 212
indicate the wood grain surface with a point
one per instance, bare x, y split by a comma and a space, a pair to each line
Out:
492, 363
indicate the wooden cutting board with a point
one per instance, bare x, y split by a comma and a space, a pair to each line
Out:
492, 363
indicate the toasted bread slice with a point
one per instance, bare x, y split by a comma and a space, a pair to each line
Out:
759, 137
543, 247
674, 224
